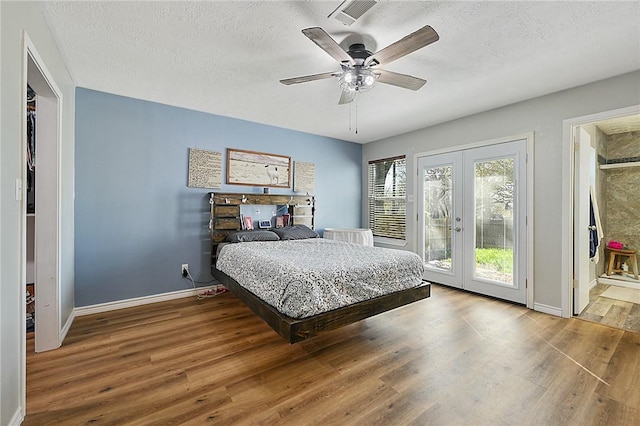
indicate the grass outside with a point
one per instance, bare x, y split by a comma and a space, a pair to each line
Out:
495, 259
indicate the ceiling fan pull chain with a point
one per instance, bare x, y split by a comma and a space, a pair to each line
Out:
350, 107
356, 117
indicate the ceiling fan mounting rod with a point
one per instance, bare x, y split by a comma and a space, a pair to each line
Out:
358, 52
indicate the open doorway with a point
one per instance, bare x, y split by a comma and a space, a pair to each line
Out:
606, 222
41, 194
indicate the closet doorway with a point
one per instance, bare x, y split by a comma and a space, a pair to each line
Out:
606, 176
41, 242
472, 218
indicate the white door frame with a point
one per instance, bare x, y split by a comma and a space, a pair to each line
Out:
568, 183
529, 137
48, 321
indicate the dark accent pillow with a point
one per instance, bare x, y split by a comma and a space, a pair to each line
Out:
248, 236
295, 232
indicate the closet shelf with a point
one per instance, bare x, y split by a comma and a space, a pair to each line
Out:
620, 165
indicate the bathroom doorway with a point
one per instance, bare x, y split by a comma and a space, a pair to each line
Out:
607, 173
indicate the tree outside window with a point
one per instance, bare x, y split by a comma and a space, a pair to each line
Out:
387, 197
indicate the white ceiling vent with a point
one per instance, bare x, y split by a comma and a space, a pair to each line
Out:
350, 10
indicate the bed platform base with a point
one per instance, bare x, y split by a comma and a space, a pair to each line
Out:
295, 330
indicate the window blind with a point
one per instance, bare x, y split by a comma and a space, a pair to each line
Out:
387, 183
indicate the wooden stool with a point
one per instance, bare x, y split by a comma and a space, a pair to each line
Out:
616, 256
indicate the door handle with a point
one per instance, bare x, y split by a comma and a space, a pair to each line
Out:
457, 229
592, 227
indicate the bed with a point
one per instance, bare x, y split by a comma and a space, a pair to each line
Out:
335, 284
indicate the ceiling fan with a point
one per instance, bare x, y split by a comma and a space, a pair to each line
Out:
360, 67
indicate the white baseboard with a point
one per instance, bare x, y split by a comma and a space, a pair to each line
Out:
17, 418
67, 326
138, 301
551, 310
593, 283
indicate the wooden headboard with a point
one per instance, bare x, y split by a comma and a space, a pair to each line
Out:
225, 212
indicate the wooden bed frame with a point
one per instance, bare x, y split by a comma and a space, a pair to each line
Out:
297, 329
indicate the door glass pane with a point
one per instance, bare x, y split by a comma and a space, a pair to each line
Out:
494, 186
437, 222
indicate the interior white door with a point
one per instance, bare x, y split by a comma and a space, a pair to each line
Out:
581, 220
472, 219
47, 242
440, 217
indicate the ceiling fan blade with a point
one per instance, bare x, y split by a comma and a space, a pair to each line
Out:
305, 78
400, 80
329, 45
346, 97
414, 41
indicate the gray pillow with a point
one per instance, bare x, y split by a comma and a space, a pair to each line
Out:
247, 236
296, 232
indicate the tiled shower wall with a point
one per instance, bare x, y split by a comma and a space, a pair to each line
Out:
622, 191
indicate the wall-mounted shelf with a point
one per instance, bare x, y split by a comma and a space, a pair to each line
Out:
619, 165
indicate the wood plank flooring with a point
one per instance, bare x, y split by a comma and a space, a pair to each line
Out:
612, 312
452, 359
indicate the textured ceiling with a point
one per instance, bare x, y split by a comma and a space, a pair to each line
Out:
226, 57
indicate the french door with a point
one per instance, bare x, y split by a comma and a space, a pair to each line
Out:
472, 219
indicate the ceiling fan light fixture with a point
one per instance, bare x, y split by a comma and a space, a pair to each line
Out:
348, 77
369, 80
357, 80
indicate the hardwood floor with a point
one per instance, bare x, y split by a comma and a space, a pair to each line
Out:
612, 312
452, 359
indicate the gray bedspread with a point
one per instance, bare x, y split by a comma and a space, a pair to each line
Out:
301, 278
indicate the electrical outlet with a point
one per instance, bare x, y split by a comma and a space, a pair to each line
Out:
184, 270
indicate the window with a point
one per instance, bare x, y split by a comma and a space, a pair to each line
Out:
387, 197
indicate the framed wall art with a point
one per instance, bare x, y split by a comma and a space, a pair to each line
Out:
304, 177
258, 169
205, 168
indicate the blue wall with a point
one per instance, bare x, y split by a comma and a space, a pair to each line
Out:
136, 221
